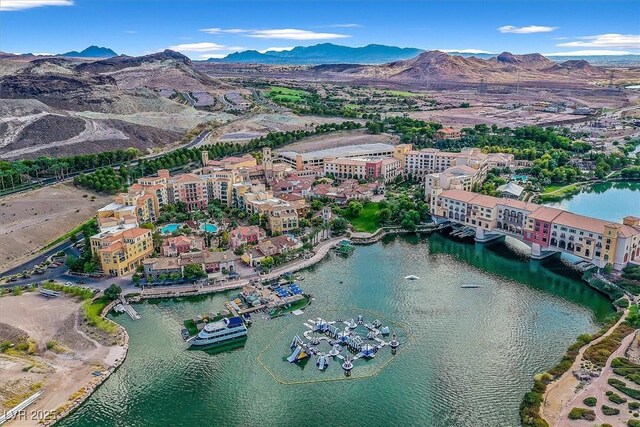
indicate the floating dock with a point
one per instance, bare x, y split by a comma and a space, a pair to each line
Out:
340, 334
129, 309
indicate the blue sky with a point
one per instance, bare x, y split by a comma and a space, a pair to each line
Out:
214, 28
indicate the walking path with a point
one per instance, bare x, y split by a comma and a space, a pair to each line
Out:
564, 389
597, 388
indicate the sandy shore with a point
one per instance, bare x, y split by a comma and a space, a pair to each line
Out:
64, 373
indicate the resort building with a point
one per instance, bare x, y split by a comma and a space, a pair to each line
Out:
302, 161
189, 189
282, 219
419, 163
246, 235
547, 230
270, 247
174, 246
362, 168
229, 163
145, 201
455, 177
121, 251
211, 263
447, 133
116, 216
350, 189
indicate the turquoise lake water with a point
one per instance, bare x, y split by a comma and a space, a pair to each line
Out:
611, 201
472, 356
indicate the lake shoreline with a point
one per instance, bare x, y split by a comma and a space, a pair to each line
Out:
320, 256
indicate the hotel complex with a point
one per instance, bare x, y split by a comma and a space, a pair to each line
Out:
279, 193
546, 230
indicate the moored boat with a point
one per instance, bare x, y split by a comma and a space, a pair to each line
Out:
217, 332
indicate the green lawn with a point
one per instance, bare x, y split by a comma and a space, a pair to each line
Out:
285, 94
400, 93
368, 220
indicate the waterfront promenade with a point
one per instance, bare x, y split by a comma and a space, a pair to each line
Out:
561, 395
170, 291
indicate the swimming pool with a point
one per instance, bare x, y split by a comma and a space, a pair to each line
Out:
170, 228
209, 228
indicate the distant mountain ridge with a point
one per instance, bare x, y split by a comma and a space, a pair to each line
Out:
437, 66
325, 53
91, 52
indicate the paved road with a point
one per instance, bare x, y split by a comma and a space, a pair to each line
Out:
189, 98
51, 181
65, 246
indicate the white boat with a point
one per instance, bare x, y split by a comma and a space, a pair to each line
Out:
411, 277
216, 332
470, 286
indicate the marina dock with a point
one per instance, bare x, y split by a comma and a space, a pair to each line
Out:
129, 309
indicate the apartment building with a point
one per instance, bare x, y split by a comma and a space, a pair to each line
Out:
362, 168
121, 251
545, 229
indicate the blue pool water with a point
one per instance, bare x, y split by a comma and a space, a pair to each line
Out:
209, 228
169, 228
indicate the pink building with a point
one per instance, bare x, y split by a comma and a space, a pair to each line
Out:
542, 219
249, 235
190, 190
174, 246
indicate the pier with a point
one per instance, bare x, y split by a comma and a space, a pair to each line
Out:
129, 309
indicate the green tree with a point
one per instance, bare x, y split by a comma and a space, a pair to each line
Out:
267, 263
194, 271
113, 291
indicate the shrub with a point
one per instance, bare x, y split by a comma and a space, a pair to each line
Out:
582, 414
633, 423
615, 398
590, 401
627, 369
634, 405
607, 410
622, 302
622, 386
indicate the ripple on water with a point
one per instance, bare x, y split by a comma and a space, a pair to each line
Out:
473, 355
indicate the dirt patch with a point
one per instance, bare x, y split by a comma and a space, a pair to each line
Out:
11, 333
340, 139
32, 219
63, 373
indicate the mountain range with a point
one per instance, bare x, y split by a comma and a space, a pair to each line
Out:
91, 52
60, 105
325, 53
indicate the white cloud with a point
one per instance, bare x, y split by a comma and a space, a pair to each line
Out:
529, 29
293, 34
12, 5
591, 52
276, 49
199, 47
212, 55
130, 32
342, 26
224, 31
464, 51
630, 41
283, 34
